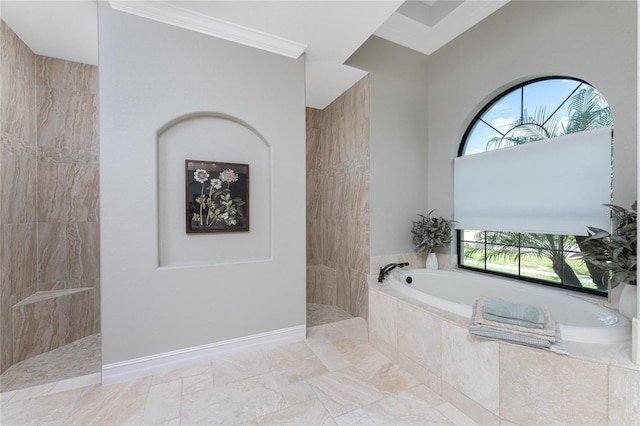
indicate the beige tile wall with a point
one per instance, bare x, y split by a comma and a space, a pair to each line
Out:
49, 196
68, 175
500, 383
338, 201
17, 182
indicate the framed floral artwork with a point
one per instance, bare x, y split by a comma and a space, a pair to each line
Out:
217, 196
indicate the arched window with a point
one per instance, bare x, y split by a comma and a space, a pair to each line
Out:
537, 110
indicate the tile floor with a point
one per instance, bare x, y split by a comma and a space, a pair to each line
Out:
83, 357
335, 377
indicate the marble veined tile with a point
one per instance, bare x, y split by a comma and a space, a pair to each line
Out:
341, 392
323, 335
18, 187
67, 125
19, 275
260, 393
409, 408
393, 380
203, 369
68, 192
419, 337
163, 403
77, 360
338, 193
68, 251
117, 404
355, 418
288, 356
293, 363
624, 395
304, 369
298, 392
311, 412
239, 367
17, 88
68, 75
368, 361
377, 369
471, 366
331, 353
321, 290
383, 317
49, 409
353, 328
547, 388
191, 396
50, 323
359, 304
200, 383
14, 50
66, 94
223, 406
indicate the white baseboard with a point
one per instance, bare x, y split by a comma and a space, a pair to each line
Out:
149, 365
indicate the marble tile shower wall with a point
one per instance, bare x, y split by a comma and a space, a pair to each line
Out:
67, 190
49, 254
338, 201
17, 183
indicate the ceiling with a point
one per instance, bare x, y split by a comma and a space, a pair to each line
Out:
327, 32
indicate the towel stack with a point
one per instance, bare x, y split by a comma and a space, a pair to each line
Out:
516, 323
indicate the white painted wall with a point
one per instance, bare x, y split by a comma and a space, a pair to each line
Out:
413, 144
398, 141
591, 40
150, 74
198, 137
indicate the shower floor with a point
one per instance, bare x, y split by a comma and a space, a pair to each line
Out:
76, 359
323, 314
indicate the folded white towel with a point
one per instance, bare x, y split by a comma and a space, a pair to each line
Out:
548, 330
547, 338
513, 313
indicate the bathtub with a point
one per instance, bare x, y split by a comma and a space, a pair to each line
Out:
455, 291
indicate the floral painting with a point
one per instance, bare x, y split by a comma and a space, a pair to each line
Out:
217, 196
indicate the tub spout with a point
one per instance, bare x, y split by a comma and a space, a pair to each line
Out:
384, 271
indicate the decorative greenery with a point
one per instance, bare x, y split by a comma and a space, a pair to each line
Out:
615, 252
431, 232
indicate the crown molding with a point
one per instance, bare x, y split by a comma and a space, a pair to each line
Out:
171, 14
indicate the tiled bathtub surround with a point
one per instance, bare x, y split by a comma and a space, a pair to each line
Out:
49, 201
495, 382
338, 201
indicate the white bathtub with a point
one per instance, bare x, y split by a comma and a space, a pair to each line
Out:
455, 291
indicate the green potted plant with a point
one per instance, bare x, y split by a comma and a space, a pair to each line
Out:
429, 233
616, 253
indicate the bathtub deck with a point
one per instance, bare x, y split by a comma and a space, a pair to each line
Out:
496, 382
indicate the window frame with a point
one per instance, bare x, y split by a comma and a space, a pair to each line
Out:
461, 149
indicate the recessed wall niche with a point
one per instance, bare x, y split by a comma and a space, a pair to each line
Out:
210, 136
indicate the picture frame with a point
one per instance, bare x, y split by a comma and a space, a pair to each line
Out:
217, 196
